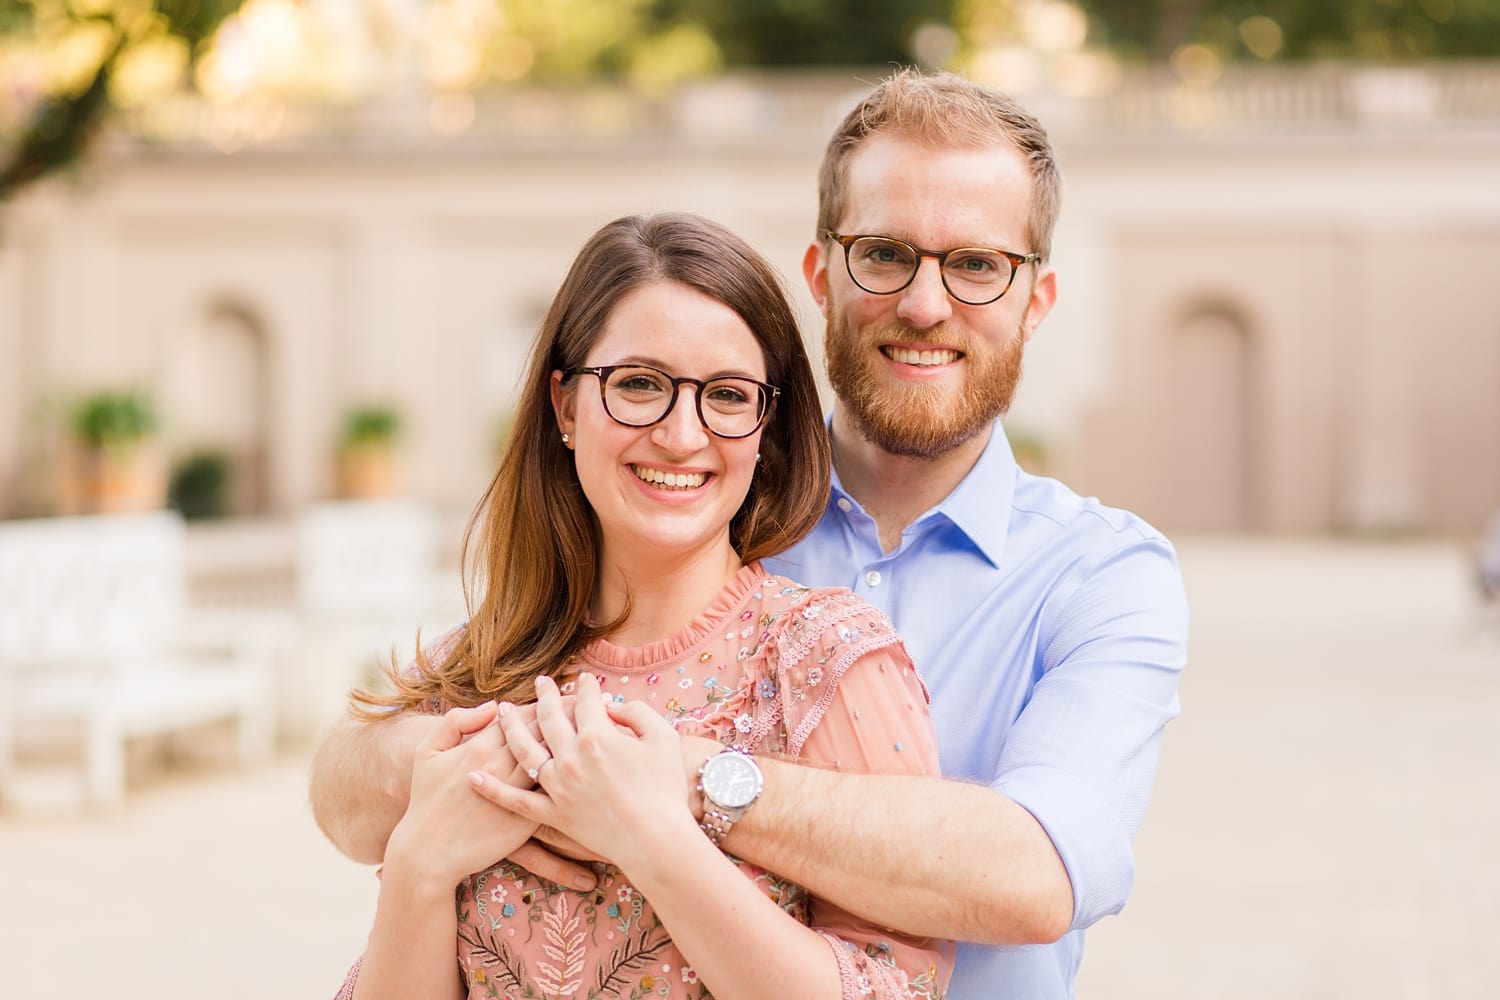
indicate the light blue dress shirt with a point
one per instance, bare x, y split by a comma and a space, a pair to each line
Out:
1051, 631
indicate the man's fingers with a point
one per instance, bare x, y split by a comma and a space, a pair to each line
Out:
518, 737
544, 864
561, 844
458, 723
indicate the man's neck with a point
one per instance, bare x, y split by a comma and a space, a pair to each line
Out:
897, 489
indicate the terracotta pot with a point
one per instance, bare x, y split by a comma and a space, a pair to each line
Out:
367, 472
123, 478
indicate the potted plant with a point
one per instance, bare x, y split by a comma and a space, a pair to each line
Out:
120, 468
367, 452
199, 485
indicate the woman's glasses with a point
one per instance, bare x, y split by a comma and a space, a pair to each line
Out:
639, 396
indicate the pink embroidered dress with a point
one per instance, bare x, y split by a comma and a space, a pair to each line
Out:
771, 667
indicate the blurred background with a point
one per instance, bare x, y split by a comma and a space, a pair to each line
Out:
269, 270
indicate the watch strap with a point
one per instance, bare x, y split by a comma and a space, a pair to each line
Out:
719, 819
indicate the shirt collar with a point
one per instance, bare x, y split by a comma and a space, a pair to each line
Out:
980, 505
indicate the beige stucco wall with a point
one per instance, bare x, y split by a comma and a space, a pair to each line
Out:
1369, 383
1269, 328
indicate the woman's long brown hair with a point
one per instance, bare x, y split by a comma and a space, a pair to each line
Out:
531, 549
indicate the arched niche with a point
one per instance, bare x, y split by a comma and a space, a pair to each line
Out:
220, 398
1213, 433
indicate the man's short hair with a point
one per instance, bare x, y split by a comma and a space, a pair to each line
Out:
944, 111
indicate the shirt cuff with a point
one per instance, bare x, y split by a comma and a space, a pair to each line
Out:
1089, 837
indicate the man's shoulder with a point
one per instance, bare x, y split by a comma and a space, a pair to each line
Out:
1047, 514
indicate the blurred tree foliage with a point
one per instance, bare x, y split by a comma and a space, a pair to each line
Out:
807, 32
88, 47
1368, 30
84, 44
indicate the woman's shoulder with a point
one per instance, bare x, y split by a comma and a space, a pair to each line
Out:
821, 626
817, 608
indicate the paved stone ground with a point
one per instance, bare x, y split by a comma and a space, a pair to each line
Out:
1325, 822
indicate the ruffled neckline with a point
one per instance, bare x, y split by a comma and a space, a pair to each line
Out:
721, 609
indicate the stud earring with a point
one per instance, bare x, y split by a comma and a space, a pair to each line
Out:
567, 437
757, 456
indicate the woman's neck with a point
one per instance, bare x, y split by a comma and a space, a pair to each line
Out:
664, 592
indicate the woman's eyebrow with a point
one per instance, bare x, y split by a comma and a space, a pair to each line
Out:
657, 363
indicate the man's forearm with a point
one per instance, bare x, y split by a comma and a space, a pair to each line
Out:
922, 855
360, 781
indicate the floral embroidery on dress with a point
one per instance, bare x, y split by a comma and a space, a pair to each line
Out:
769, 680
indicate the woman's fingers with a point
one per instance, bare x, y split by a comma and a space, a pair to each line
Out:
588, 709
530, 805
552, 717
458, 723
638, 717
524, 747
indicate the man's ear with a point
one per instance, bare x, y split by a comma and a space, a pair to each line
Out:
815, 270
1043, 297
563, 398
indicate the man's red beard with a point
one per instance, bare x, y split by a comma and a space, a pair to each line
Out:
916, 419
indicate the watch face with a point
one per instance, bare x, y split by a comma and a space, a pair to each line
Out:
732, 780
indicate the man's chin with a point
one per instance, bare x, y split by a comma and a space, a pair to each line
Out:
916, 433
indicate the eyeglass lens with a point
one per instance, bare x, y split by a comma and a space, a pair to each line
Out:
730, 407
883, 266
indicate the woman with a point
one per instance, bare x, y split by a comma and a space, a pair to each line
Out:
667, 437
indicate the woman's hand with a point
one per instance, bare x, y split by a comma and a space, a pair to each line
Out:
614, 782
447, 832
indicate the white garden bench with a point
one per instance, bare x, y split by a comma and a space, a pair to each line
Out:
97, 639
368, 577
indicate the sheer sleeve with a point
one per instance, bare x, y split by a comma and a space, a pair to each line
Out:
346, 992
853, 701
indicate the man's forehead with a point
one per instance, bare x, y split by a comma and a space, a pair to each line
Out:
956, 195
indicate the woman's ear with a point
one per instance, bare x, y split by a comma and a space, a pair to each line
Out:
563, 397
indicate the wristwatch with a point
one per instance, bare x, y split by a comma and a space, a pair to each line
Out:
730, 781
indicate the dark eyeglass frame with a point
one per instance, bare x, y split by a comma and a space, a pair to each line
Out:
769, 395
1016, 260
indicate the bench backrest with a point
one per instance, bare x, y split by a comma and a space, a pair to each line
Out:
82, 588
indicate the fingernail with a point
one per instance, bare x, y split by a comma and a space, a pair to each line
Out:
505, 707
583, 882
476, 778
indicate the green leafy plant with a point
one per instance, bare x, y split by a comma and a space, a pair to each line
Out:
199, 485
370, 425
113, 418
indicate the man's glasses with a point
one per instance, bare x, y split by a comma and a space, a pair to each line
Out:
639, 396
975, 276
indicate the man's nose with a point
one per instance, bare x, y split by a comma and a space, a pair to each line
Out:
925, 303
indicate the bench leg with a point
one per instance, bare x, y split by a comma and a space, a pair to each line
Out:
105, 763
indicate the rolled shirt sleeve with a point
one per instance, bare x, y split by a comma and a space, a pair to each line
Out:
1082, 754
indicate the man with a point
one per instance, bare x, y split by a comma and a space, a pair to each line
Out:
1050, 630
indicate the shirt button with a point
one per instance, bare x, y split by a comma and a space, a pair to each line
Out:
873, 578
845, 505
